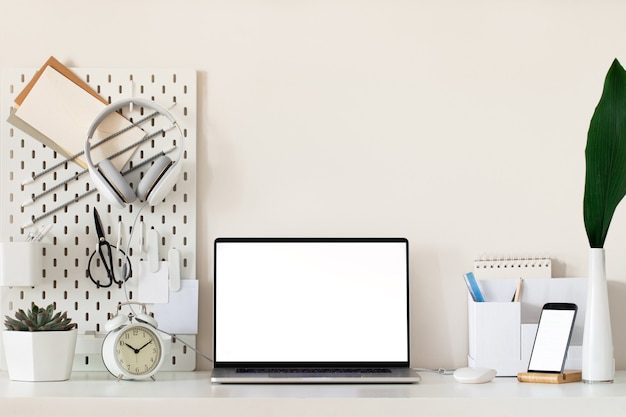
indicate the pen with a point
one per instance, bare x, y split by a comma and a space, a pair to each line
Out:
42, 233
30, 236
518, 291
33, 235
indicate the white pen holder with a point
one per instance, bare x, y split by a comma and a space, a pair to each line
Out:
21, 264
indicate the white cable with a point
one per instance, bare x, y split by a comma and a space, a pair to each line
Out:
127, 259
440, 371
186, 344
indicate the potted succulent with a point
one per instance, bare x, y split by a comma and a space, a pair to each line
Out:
39, 344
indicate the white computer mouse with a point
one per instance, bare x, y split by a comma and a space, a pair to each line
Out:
474, 375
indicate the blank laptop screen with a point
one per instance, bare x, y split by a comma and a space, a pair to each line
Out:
299, 301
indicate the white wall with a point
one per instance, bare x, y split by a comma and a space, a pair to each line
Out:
460, 125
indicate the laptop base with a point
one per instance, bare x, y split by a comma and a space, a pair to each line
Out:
395, 376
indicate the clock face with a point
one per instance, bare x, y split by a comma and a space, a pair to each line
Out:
138, 350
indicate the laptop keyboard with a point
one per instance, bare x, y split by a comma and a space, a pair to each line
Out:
314, 370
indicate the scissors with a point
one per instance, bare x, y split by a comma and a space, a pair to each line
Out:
105, 253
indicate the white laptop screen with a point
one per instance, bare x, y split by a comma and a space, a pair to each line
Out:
301, 301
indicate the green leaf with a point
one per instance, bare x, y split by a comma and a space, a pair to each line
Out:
13, 324
605, 154
42, 318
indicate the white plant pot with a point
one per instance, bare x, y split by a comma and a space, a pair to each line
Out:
598, 359
39, 356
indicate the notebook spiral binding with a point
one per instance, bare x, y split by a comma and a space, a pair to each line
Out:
513, 267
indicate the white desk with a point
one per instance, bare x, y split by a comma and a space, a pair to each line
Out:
192, 394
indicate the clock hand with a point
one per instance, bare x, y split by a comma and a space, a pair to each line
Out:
135, 350
143, 346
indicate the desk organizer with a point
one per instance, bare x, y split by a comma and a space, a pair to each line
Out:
502, 332
28, 271
73, 235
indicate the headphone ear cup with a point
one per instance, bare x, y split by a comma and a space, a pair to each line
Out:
103, 187
153, 177
115, 323
146, 319
116, 182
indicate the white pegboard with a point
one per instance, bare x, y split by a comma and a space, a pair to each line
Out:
73, 236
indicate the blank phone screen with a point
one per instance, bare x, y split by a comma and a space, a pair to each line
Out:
552, 340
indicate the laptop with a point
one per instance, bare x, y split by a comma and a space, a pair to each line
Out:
312, 310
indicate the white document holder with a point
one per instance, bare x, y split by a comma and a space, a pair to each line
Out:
502, 332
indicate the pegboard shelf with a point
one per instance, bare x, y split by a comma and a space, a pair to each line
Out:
65, 198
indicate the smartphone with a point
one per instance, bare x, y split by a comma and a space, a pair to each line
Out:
553, 337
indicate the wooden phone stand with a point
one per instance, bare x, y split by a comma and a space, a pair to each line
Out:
548, 378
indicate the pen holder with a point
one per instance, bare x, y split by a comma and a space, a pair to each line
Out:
21, 264
502, 333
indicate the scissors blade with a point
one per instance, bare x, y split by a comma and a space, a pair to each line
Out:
99, 228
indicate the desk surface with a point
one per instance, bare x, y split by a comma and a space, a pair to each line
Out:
192, 394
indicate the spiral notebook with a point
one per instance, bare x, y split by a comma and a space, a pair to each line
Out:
513, 267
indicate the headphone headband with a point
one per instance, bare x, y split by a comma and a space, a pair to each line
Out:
157, 185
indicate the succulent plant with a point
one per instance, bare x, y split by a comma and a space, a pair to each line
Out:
38, 319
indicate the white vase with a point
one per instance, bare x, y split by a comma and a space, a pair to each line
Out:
598, 359
39, 356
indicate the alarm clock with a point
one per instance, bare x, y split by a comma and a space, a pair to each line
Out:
132, 348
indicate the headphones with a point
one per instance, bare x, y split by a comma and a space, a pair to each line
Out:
118, 320
157, 181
